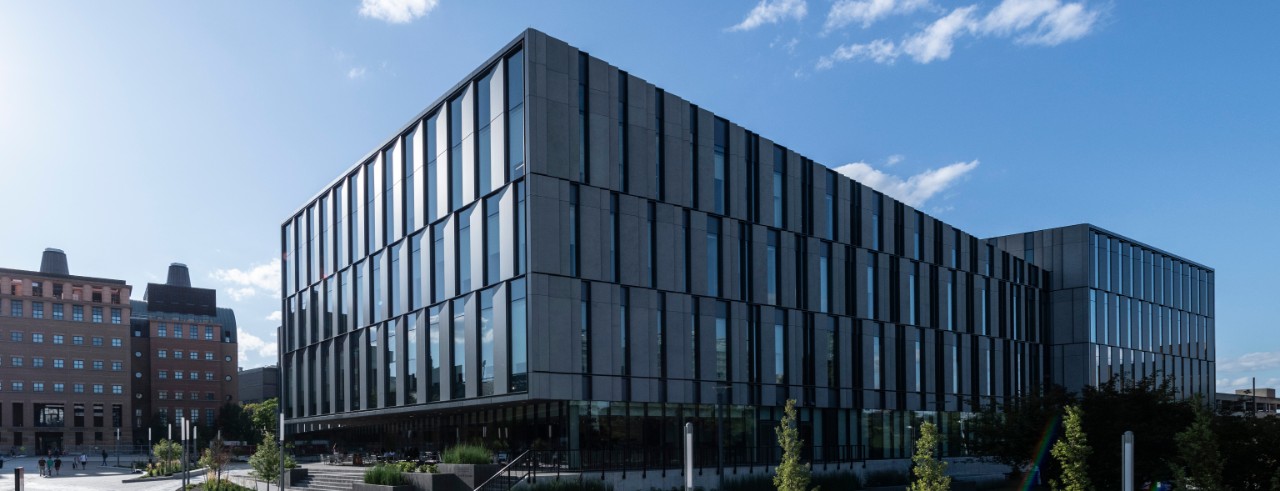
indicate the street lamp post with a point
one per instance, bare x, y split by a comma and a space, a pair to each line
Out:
911, 440
117, 447
720, 390
281, 447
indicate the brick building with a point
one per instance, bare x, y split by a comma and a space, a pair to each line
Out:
185, 346
64, 352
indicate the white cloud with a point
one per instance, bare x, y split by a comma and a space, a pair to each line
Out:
275, 316
396, 11
1251, 362
894, 159
935, 41
880, 51
1015, 15
1029, 22
1068, 23
914, 190
239, 294
250, 345
246, 283
772, 12
356, 72
867, 12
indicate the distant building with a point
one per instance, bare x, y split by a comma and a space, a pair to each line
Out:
259, 384
1243, 401
185, 349
64, 349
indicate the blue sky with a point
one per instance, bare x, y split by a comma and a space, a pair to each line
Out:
134, 134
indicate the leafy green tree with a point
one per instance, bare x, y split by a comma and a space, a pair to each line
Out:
167, 453
931, 472
1151, 409
264, 416
266, 461
1250, 449
1072, 453
791, 474
1199, 464
1009, 433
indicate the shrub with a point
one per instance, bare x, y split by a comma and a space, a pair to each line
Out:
219, 485
383, 474
565, 485
836, 480
886, 478
406, 466
467, 454
428, 468
764, 482
758, 482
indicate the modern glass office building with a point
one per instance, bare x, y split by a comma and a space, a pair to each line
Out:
557, 253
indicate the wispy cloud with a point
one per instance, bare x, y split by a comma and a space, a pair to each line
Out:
894, 159
1068, 23
772, 12
1029, 22
396, 11
246, 283
788, 45
867, 12
935, 41
914, 190
1251, 362
275, 316
879, 51
355, 72
250, 347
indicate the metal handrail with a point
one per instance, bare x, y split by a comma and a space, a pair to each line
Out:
519, 459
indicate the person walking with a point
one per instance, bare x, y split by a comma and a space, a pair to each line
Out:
84, 460
104, 457
57, 466
40, 464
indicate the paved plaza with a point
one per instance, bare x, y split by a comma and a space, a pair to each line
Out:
95, 477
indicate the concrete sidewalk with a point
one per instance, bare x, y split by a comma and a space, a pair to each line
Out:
95, 477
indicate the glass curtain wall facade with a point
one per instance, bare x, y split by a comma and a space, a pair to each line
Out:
652, 264
405, 279
1145, 312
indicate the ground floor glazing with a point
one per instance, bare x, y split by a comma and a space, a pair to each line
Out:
597, 432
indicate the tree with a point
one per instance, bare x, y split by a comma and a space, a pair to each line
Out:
1151, 409
215, 459
1251, 459
1010, 433
167, 453
1200, 462
931, 473
235, 424
791, 474
1072, 453
264, 415
266, 461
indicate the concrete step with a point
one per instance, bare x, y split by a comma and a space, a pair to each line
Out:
328, 481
